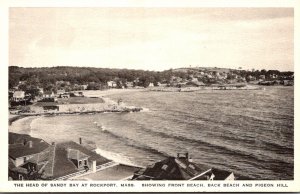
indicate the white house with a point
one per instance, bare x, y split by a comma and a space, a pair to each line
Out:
48, 94
112, 84
18, 96
151, 84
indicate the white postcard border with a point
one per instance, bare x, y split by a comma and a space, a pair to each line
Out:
9, 186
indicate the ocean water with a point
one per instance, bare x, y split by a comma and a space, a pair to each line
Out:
248, 132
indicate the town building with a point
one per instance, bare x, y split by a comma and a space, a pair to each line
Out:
48, 94
151, 84
181, 168
18, 96
111, 84
21, 149
55, 161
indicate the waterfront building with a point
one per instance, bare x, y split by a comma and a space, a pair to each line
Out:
111, 84
18, 96
55, 161
181, 168
151, 84
21, 149
48, 94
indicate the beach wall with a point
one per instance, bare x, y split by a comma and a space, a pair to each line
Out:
87, 107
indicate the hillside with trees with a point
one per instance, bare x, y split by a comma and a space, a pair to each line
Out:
73, 78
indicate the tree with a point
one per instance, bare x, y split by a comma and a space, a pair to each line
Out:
33, 92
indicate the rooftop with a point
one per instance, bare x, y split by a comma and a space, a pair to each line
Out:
55, 161
23, 145
19, 94
76, 154
171, 169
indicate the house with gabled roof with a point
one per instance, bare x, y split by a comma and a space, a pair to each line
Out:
48, 94
18, 96
23, 147
180, 168
57, 160
78, 158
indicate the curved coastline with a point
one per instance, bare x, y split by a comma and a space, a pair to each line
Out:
133, 109
14, 118
18, 123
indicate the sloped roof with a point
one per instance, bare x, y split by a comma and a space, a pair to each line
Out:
11, 165
62, 165
19, 94
55, 160
14, 138
220, 174
19, 145
92, 155
76, 154
53, 163
171, 169
20, 170
43, 156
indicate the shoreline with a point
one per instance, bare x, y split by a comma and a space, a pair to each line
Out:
135, 109
108, 106
15, 118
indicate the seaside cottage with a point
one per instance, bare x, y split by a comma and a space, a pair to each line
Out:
111, 84
181, 168
18, 96
56, 161
48, 94
151, 84
21, 149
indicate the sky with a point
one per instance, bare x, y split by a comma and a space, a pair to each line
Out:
152, 38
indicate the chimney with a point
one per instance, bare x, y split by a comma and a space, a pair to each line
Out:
30, 144
187, 155
183, 155
53, 143
94, 166
80, 140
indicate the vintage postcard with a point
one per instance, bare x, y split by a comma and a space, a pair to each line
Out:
147, 96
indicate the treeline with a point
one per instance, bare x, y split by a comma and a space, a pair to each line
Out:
46, 77
82, 75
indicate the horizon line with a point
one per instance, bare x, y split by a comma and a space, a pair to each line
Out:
124, 68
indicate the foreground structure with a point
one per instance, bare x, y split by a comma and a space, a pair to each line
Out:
181, 168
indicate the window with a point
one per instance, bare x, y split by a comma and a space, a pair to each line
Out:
24, 159
85, 162
164, 167
80, 163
